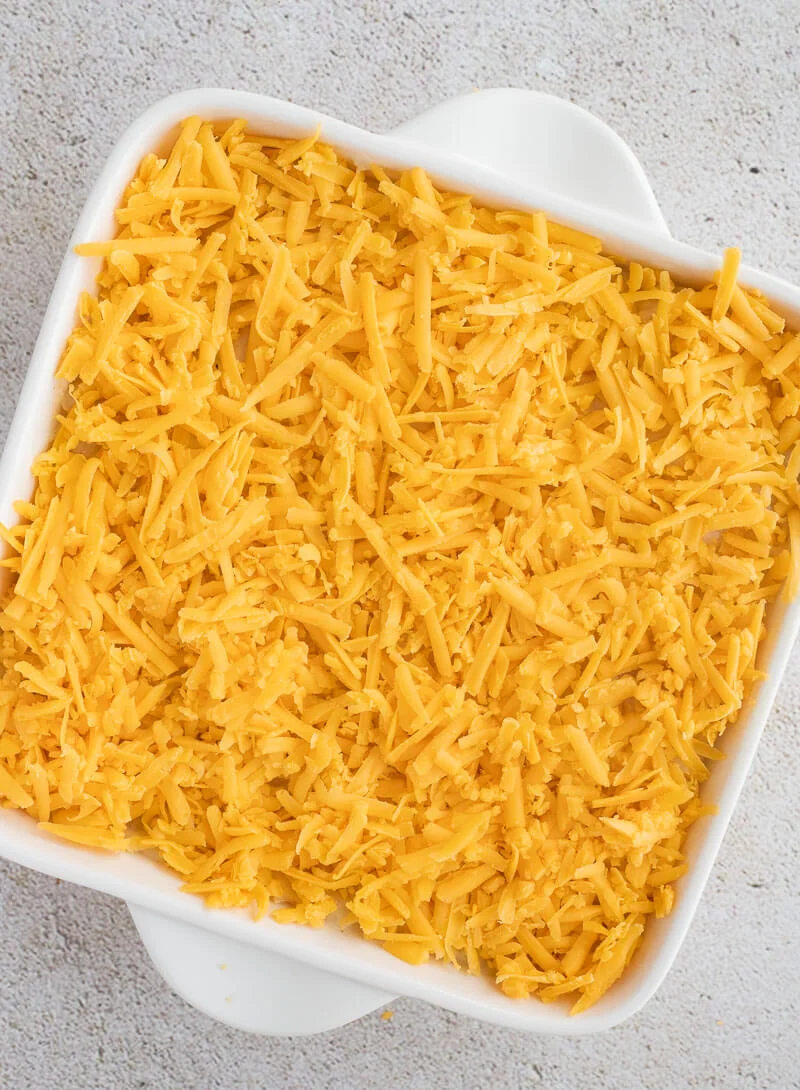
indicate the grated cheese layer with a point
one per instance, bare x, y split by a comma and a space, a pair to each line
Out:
396, 557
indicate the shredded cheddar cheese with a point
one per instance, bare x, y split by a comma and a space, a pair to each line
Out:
396, 557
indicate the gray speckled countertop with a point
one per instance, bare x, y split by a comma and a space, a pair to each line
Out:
708, 97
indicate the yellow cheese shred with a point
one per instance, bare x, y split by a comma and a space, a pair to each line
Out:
396, 558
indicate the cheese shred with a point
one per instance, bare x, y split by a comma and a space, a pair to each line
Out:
396, 558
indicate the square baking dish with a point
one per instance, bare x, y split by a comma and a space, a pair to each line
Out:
509, 148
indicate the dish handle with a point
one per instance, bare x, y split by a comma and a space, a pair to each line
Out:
545, 142
249, 988
557, 147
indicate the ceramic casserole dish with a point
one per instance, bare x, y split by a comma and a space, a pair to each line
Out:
512, 149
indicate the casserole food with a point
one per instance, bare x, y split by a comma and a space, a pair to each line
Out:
517, 201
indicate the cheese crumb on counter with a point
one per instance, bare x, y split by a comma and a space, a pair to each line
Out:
396, 558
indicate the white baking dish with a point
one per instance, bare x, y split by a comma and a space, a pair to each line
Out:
510, 148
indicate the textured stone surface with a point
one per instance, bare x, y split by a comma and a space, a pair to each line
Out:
708, 97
